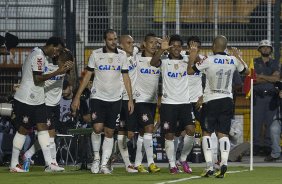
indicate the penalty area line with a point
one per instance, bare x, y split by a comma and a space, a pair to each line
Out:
196, 177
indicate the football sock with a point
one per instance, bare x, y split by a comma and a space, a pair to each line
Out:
96, 143
187, 147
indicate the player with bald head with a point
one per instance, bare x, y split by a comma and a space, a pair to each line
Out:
217, 97
127, 122
219, 44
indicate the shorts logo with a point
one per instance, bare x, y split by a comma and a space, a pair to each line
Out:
94, 116
48, 122
25, 119
122, 123
145, 117
166, 125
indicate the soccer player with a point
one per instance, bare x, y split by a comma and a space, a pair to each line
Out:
53, 89
128, 122
219, 69
30, 106
109, 64
146, 99
196, 84
175, 102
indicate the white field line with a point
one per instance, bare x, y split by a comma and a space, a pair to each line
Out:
196, 177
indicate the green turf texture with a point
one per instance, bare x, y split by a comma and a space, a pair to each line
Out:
263, 175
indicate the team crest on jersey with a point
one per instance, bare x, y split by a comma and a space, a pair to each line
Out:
176, 66
94, 116
145, 117
166, 125
25, 119
48, 122
110, 60
165, 95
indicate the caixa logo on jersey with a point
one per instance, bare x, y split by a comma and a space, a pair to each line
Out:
223, 61
177, 74
149, 71
109, 67
132, 66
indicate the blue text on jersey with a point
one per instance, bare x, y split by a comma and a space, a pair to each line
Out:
149, 71
176, 74
108, 67
223, 61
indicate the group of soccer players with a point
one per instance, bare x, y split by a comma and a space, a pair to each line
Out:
125, 91
129, 78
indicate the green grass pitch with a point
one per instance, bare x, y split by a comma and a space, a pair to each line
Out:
263, 175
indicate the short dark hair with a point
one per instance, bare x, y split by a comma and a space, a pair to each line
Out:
55, 41
66, 55
66, 84
108, 31
174, 38
194, 39
149, 35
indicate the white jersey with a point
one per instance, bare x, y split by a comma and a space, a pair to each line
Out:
107, 85
132, 72
195, 85
175, 81
147, 80
219, 70
54, 86
28, 92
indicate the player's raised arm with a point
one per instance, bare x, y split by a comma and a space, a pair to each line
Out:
156, 59
192, 57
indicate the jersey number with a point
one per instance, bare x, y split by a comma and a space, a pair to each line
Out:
220, 73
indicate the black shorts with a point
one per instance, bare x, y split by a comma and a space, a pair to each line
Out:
203, 121
199, 115
175, 117
218, 115
128, 122
28, 116
53, 116
105, 112
145, 114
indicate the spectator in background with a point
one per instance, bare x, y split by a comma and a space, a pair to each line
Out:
265, 96
275, 131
